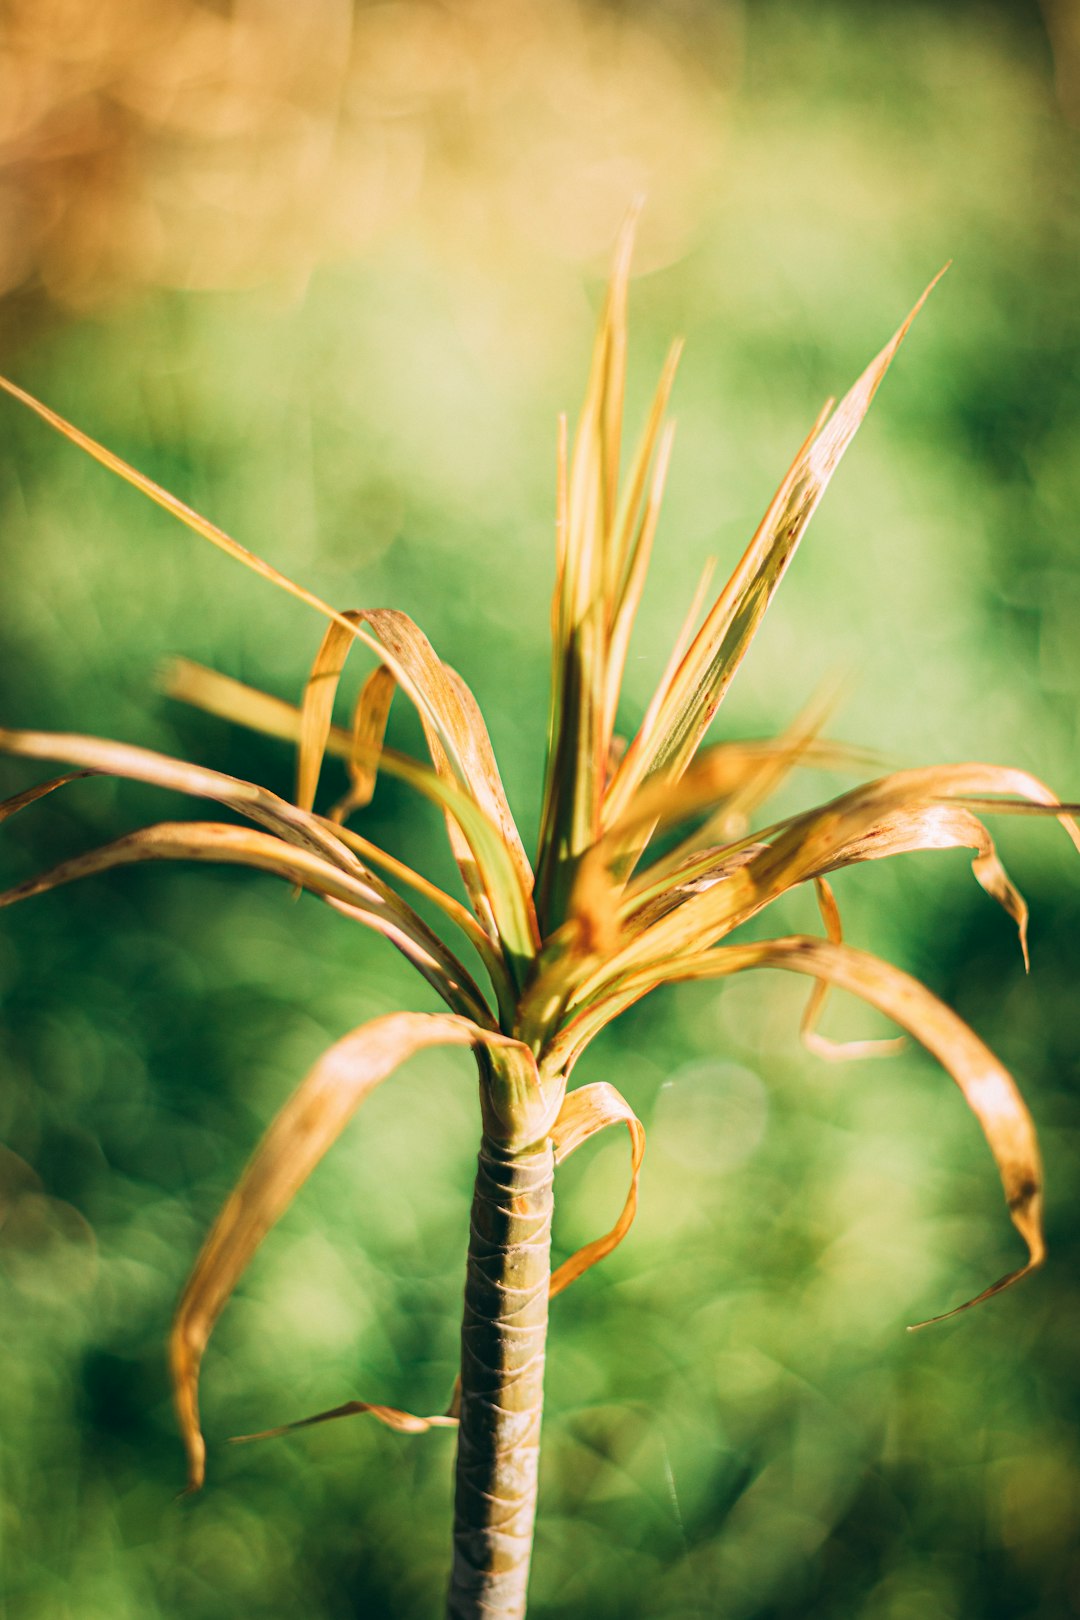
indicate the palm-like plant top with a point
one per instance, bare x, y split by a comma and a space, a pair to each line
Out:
599, 920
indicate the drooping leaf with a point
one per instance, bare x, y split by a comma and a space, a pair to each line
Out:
105, 757
461, 753
317, 708
940, 826
359, 895
301, 1134
894, 812
987, 1086
454, 720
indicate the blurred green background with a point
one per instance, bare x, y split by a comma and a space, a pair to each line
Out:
329, 274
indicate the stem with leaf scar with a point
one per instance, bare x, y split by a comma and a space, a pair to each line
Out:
503, 1342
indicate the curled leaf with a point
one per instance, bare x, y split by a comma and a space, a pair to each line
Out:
820, 1045
498, 867
460, 745
317, 708
940, 826
902, 811
368, 732
584, 1112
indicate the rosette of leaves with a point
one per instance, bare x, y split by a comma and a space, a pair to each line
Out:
568, 943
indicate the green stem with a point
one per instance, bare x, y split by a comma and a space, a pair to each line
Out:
503, 1340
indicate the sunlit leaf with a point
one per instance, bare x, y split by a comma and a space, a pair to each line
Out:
317, 708
839, 833
600, 900
105, 757
587, 585
407, 652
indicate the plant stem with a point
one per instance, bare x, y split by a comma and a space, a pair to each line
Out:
503, 1340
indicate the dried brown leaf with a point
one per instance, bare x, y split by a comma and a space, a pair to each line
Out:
841, 832
498, 868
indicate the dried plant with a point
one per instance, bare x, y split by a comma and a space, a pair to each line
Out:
568, 945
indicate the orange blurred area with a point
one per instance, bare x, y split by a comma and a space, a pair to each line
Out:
182, 144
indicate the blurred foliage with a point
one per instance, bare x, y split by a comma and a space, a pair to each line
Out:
366, 391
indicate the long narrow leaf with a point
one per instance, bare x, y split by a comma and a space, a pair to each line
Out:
710, 665
108, 758
588, 583
893, 812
